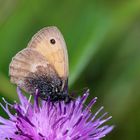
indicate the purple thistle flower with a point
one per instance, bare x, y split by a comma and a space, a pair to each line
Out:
48, 121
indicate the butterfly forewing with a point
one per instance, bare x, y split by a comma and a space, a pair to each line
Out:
55, 53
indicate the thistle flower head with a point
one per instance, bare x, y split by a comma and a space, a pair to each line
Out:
45, 120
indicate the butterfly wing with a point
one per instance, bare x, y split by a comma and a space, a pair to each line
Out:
45, 59
55, 52
28, 66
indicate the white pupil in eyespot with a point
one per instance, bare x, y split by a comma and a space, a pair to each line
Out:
52, 41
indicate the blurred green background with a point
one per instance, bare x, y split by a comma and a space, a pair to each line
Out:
103, 39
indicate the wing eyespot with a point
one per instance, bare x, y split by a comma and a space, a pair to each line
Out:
52, 41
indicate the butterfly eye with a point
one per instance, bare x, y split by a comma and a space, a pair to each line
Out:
52, 41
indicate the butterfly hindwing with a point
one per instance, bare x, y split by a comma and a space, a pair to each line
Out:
29, 64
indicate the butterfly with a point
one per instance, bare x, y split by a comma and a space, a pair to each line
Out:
43, 66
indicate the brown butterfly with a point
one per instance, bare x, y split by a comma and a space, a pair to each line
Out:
43, 66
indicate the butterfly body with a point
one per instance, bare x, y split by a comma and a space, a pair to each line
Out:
43, 65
